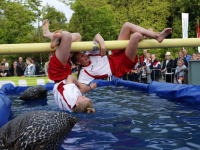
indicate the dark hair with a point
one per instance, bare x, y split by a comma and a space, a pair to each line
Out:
33, 58
23, 65
11, 66
2, 64
74, 60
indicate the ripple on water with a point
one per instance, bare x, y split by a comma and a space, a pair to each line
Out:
126, 119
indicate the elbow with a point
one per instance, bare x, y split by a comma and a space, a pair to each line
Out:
97, 36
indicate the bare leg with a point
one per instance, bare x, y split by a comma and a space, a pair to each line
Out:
63, 51
139, 33
47, 34
132, 47
150, 29
45, 29
129, 28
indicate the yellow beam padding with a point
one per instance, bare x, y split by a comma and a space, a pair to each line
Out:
90, 45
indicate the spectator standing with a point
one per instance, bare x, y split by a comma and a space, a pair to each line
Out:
46, 65
133, 73
155, 64
20, 63
187, 57
6, 63
194, 56
167, 67
143, 57
198, 56
37, 67
15, 70
23, 68
3, 71
148, 60
144, 72
181, 57
180, 71
30, 69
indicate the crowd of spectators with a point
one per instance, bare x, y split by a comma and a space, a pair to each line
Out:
148, 68
19, 68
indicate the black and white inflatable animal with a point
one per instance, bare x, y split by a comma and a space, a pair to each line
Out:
39, 130
34, 93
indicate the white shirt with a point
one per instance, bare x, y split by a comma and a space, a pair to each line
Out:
136, 66
98, 68
66, 96
148, 64
166, 66
145, 59
29, 68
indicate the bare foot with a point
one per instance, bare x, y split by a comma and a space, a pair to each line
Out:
45, 27
164, 34
55, 41
150, 29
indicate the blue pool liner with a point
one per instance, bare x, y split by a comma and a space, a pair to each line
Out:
5, 106
175, 92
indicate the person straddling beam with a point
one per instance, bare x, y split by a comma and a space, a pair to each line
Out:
67, 89
95, 65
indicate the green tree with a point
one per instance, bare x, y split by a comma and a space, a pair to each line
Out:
92, 17
15, 28
57, 19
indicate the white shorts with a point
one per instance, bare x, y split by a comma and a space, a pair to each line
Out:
66, 95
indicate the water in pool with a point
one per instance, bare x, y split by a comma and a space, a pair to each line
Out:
126, 119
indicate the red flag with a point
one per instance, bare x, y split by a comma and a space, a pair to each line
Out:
198, 29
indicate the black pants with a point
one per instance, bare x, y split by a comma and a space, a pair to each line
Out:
133, 77
170, 78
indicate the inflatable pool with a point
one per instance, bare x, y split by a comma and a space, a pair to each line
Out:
127, 115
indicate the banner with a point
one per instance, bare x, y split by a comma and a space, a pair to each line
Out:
185, 20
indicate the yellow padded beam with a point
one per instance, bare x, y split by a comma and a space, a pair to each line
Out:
90, 45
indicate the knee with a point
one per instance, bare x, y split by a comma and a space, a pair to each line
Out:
136, 35
78, 35
67, 35
126, 24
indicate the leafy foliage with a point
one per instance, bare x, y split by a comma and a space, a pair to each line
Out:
91, 17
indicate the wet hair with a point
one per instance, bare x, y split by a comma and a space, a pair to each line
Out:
84, 108
12, 64
181, 61
74, 60
2, 64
